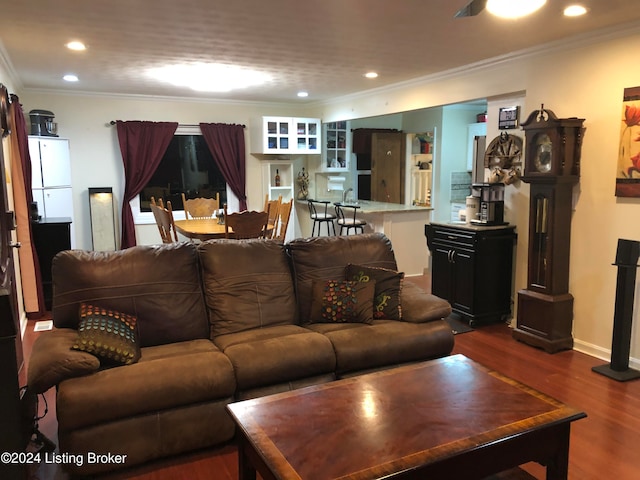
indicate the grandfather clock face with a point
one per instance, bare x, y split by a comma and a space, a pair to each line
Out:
553, 145
543, 153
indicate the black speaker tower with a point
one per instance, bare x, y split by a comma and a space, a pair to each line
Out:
627, 263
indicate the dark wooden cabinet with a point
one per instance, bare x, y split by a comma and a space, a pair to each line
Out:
381, 154
472, 268
50, 236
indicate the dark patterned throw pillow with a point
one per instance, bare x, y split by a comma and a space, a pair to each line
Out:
341, 301
386, 302
109, 335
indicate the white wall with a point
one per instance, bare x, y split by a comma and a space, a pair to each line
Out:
586, 79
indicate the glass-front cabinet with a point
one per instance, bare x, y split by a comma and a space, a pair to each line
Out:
307, 135
286, 135
337, 147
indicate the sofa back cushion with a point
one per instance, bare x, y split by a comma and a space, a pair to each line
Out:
247, 284
326, 258
159, 284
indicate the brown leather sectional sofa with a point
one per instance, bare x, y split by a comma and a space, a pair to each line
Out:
217, 322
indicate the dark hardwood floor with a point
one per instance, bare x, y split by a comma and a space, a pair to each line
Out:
603, 446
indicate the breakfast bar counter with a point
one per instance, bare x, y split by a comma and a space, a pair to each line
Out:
402, 224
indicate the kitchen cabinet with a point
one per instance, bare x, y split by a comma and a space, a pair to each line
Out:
472, 268
286, 135
337, 147
51, 176
380, 159
387, 167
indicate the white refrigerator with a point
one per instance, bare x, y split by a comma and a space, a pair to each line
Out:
51, 177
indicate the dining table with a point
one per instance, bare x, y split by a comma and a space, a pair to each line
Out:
204, 228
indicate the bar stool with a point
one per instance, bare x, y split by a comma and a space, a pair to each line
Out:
320, 216
348, 221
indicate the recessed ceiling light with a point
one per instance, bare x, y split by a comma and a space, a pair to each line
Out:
371, 75
70, 78
303, 94
75, 45
574, 11
513, 8
214, 77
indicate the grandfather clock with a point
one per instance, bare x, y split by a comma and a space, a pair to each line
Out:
552, 168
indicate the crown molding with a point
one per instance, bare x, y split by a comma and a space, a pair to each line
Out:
571, 43
7, 67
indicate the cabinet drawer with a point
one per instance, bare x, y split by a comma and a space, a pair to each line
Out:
457, 238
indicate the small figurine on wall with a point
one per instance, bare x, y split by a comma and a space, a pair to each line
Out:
303, 183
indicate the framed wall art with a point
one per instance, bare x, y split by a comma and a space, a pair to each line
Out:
628, 168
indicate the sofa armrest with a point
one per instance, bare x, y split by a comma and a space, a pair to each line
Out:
419, 306
52, 360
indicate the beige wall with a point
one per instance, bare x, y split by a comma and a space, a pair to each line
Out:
584, 79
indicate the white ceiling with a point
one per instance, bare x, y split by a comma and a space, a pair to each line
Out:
323, 47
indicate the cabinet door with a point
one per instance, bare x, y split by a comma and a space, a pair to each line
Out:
277, 134
56, 164
336, 148
441, 272
387, 167
36, 168
462, 263
58, 202
307, 135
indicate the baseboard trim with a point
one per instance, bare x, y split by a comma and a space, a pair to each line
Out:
603, 354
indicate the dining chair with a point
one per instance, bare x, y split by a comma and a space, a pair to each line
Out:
246, 224
321, 215
284, 213
197, 208
273, 207
164, 220
347, 218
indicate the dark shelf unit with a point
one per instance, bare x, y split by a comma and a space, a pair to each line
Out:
472, 268
50, 236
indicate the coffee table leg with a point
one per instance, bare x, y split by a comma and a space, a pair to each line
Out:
558, 466
246, 470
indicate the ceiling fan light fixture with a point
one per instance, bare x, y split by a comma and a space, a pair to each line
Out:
76, 45
214, 77
574, 10
513, 8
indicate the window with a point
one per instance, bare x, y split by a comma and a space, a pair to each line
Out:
186, 167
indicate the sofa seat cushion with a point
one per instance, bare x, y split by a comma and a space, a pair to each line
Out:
272, 355
165, 377
360, 346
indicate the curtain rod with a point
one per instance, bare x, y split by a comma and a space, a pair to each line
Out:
190, 125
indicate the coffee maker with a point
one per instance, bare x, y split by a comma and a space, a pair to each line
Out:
491, 203
42, 123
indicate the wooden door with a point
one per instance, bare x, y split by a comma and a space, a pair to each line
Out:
387, 167
10, 342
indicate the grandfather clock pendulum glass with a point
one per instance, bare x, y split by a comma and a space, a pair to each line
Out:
552, 168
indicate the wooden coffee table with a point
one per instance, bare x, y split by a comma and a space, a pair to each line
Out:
447, 418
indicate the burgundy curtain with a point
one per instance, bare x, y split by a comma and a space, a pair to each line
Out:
23, 196
226, 143
142, 145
